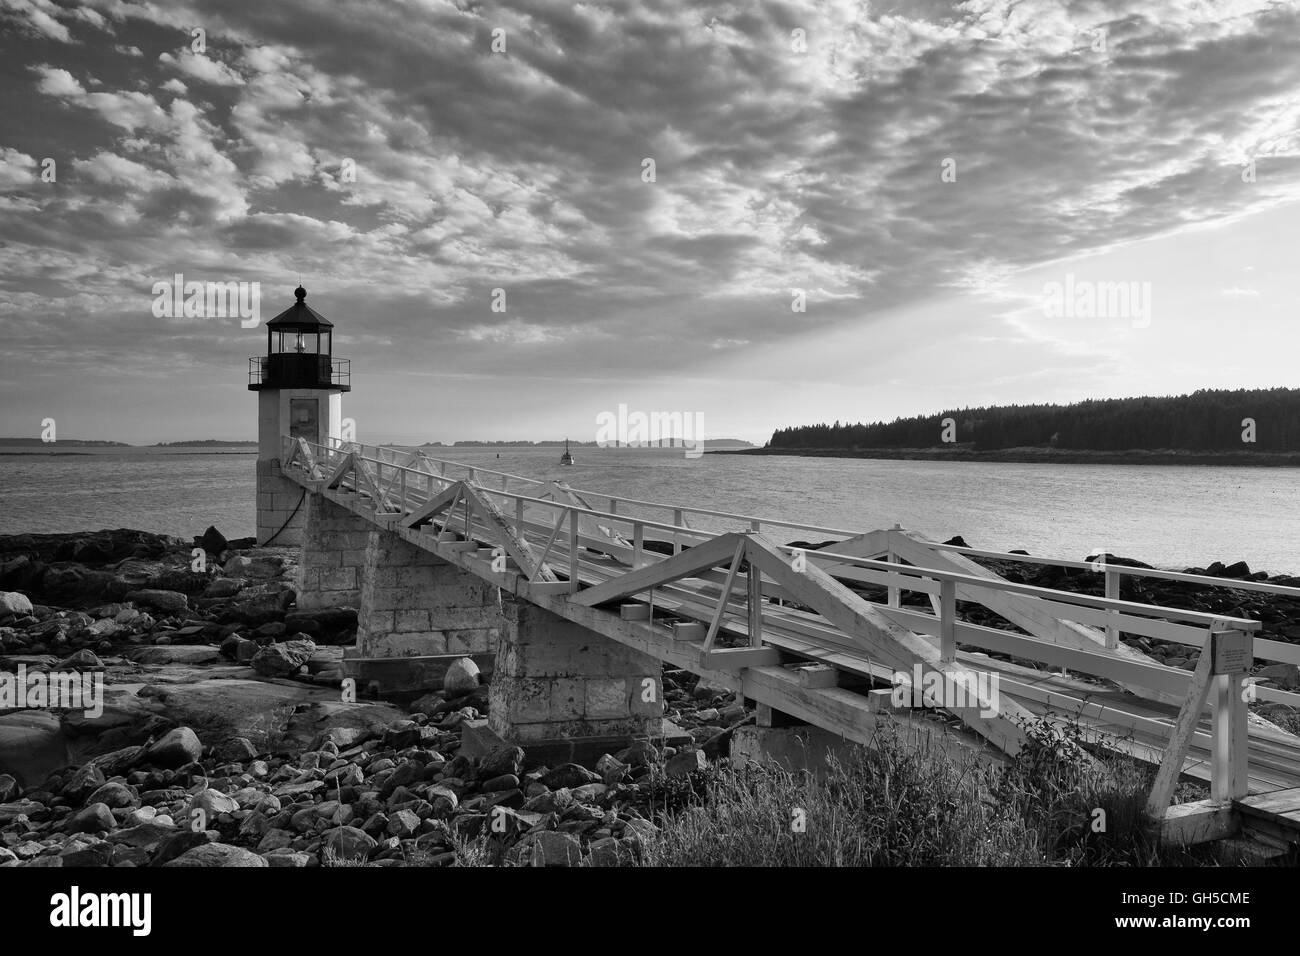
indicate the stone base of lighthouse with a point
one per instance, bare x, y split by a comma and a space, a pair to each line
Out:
280, 507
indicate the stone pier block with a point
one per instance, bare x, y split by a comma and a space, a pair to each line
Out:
558, 685
331, 567
418, 609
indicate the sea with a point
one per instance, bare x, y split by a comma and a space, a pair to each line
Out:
1169, 516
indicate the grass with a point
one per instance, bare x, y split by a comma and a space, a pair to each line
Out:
895, 805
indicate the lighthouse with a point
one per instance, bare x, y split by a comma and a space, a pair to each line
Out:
300, 388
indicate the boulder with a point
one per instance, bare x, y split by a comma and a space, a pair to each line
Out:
553, 848
222, 588
1286, 676
502, 760
95, 818
173, 602
684, 763
11, 602
462, 677
212, 541
283, 659
217, 854
175, 749
349, 843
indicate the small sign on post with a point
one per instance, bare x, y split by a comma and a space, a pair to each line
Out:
1233, 652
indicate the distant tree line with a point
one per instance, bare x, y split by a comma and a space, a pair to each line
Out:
1206, 420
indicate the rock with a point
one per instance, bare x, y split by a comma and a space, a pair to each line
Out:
553, 848
705, 690
588, 792
148, 835
611, 769
502, 760
1286, 676
95, 818
568, 775
176, 654
403, 824
212, 803
114, 795
222, 588
8, 788
284, 659
506, 781
173, 602
217, 854
11, 602
235, 749
443, 799
175, 749
461, 678
287, 857
212, 541
608, 852
684, 763
1238, 569
349, 843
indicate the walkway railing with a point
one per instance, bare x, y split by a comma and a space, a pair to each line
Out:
560, 521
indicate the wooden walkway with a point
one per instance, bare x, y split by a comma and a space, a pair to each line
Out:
782, 625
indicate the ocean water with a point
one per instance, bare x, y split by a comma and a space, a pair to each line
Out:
1165, 515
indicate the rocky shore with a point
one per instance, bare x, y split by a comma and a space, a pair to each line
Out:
224, 739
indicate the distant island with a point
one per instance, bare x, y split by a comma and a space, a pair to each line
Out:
550, 443
1207, 427
204, 442
73, 442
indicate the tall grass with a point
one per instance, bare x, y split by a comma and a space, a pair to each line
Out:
899, 805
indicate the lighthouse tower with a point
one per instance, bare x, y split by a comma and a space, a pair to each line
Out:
300, 388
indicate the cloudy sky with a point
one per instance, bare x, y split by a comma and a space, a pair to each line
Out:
923, 171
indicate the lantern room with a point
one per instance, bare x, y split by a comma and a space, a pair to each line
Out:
299, 352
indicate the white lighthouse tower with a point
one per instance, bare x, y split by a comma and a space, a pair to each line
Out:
300, 388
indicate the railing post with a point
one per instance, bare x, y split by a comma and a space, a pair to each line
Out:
677, 523
1230, 768
402, 508
1112, 592
755, 526
894, 598
638, 543
755, 595
573, 551
613, 506
948, 620
519, 516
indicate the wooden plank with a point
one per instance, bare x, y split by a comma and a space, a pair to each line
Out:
653, 575
1281, 806
734, 658
1186, 824
725, 596
1198, 692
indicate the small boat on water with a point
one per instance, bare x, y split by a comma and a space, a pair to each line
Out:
567, 457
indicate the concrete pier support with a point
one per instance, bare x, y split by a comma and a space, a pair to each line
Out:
333, 560
417, 614
565, 693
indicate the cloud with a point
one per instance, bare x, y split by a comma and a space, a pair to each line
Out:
38, 17
201, 68
386, 152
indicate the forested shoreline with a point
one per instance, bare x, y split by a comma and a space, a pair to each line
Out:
1249, 422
